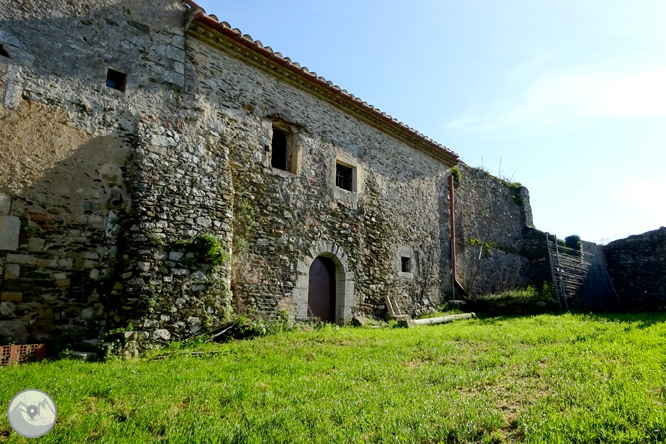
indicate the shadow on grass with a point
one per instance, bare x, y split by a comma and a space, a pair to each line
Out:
489, 318
642, 319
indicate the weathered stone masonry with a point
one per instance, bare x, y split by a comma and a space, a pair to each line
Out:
637, 266
304, 214
69, 145
494, 239
104, 187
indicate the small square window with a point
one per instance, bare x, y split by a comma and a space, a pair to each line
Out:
116, 79
344, 177
3, 51
406, 264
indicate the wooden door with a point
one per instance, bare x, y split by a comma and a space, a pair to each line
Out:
321, 291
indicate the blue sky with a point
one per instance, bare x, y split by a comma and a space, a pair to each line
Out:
566, 97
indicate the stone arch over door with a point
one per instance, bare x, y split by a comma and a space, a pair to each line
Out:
344, 282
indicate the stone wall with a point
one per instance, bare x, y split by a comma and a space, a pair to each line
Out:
180, 186
636, 265
88, 172
64, 189
105, 191
284, 219
156, 203
496, 246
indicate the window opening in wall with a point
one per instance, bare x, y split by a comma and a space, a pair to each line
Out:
343, 177
406, 264
279, 149
3, 51
116, 79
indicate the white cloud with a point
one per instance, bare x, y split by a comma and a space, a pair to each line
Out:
628, 88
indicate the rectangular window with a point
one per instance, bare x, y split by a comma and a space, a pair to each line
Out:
343, 177
116, 79
279, 150
406, 264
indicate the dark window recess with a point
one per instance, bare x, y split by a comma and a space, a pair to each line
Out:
279, 150
3, 51
406, 264
116, 79
343, 177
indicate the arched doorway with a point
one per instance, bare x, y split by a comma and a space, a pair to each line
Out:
345, 299
321, 289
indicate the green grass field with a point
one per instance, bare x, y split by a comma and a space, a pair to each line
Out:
568, 378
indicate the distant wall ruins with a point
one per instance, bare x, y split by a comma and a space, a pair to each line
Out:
637, 266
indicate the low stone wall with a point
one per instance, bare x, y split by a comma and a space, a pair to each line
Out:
637, 266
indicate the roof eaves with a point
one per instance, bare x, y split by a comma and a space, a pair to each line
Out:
445, 154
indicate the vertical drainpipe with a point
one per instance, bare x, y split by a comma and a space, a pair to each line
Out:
452, 220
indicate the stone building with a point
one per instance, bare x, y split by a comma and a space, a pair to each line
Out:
162, 169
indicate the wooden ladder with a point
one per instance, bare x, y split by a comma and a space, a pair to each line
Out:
556, 273
569, 269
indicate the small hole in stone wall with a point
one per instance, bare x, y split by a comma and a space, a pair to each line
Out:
406, 264
116, 79
3, 51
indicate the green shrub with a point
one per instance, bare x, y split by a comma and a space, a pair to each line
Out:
456, 174
573, 242
244, 327
475, 241
515, 191
547, 294
129, 327
491, 245
209, 249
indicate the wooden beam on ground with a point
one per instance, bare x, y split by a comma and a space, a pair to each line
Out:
439, 320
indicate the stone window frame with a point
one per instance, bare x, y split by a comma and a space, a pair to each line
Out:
294, 155
407, 253
357, 179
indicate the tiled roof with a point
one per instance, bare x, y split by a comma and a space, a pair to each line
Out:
440, 151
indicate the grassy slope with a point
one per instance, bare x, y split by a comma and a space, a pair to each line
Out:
568, 378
